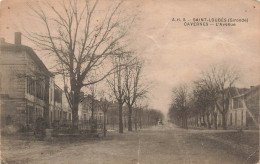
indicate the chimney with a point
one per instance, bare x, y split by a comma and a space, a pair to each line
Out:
2, 40
17, 38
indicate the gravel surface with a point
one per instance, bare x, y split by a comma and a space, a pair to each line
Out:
157, 145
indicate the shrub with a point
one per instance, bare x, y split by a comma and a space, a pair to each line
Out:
9, 130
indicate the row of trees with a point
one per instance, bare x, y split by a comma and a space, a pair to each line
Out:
89, 46
204, 97
142, 117
127, 86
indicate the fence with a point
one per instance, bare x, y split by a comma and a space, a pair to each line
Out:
82, 124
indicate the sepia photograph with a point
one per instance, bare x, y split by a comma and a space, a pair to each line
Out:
129, 81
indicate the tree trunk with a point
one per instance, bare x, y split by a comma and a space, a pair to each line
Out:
75, 108
125, 120
208, 121
113, 123
182, 122
200, 119
224, 123
186, 122
196, 121
148, 121
105, 130
215, 121
130, 118
75, 117
140, 124
203, 120
92, 108
120, 114
135, 125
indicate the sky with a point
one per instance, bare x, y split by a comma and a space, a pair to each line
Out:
174, 53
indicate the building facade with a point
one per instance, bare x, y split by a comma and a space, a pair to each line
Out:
24, 84
28, 92
27, 89
89, 105
244, 109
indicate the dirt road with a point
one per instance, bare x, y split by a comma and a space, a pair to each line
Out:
158, 145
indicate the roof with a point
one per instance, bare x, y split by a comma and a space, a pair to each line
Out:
13, 47
237, 91
88, 98
247, 91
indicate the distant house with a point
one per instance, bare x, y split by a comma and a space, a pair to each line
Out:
66, 110
243, 108
57, 103
112, 114
85, 108
24, 84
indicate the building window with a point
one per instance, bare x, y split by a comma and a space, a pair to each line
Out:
70, 116
60, 115
240, 104
237, 103
51, 116
36, 112
64, 115
236, 118
50, 95
39, 113
30, 86
40, 89
30, 114
100, 119
57, 95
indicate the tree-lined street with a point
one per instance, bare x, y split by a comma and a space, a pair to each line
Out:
160, 144
118, 82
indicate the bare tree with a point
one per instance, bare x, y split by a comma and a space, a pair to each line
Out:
207, 87
79, 44
125, 114
116, 84
154, 116
180, 104
223, 78
141, 114
138, 113
135, 89
204, 101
